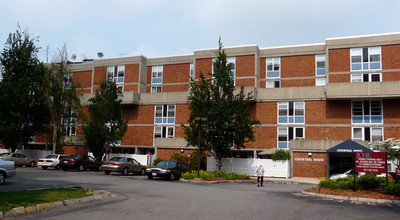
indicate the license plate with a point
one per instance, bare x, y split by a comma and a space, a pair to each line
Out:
154, 174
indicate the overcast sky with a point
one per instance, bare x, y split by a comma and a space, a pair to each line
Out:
176, 27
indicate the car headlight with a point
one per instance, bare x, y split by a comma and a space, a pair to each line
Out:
148, 170
164, 171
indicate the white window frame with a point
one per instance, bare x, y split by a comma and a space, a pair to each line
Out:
363, 133
273, 61
157, 73
287, 135
361, 76
70, 125
359, 52
154, 89
162, 134
362, 110
191, 72
67, 81
294, 112
272, 83
232, 72
318, 59
165, 118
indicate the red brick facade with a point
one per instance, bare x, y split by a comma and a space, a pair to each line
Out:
324, 117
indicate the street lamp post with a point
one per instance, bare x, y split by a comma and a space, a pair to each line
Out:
199, 119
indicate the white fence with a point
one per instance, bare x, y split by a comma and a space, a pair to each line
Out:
249, 166
142, 159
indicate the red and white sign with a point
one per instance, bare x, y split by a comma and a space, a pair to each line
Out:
398, 172
370, 162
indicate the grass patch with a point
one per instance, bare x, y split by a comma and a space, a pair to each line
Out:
12, 199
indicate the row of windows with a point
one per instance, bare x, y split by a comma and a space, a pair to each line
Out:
368, 58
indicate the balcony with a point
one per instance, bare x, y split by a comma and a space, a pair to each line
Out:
164, 98
388, 89
74, 140
171, 143
291, 93
127, 98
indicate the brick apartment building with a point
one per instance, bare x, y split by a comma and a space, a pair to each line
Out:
308, 98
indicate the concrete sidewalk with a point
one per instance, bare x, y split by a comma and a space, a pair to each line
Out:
292, 180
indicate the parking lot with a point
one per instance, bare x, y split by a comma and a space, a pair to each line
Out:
136, 197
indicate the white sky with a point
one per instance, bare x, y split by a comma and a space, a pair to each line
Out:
156, 28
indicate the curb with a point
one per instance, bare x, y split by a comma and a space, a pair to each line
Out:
353, 199
52, 205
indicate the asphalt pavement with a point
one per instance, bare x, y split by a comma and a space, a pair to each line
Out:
136, 197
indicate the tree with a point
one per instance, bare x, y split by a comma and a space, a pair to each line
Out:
229, 123
105, 125
64, 102
392, 148
24, 110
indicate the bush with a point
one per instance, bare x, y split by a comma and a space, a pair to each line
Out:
193, 161
179, 157
281, 155
156, 161
204, 175
392, 189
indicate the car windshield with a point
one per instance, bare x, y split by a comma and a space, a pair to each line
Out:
51, 156
167, 163
120, 159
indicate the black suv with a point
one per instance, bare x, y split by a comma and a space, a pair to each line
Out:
168, 169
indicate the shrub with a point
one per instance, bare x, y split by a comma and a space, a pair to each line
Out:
208, 175
392, 189
193, 161
156, 161
179, 157
368, 182
281, 155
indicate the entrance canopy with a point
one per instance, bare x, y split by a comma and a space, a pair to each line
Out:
348, 146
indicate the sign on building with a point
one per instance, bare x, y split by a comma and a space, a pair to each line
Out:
398, 172
370, 162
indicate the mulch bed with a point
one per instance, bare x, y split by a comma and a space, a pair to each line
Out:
350, 193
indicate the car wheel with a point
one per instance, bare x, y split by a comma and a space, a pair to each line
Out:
45, 168
107, 172
150, 177
65, 169
143, 172
81, 168
125, 171
2, 178
32, 164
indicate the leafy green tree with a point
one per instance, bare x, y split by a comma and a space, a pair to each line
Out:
229, 123
392, 148
105, 125
24, 105
64, 102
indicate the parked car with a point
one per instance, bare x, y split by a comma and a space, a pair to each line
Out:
20, 159
7, 170
79, 162
123, 165
168, 169
51, 161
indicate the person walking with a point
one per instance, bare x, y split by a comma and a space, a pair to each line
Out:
260, 175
